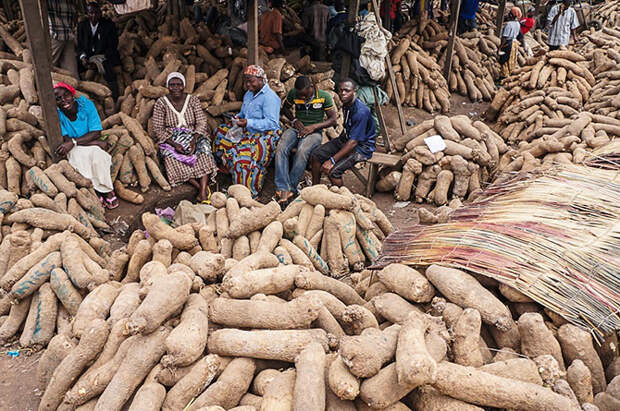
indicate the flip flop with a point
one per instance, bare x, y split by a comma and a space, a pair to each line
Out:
109, 203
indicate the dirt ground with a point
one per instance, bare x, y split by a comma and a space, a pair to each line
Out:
18, 386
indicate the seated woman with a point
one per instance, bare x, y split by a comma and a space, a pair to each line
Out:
247, 156
81, 131
180, 127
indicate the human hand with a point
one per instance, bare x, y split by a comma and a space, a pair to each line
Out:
192, 144
327, 166
242, 122
306, 130
179, 148
64, 148
298, 125
84, 61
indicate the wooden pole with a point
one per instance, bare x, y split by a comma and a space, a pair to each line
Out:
354, 6
454, 18
392, 77
499, 20
253, 32
31, 12
8, 11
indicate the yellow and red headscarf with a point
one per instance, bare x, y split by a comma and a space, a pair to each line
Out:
256, 71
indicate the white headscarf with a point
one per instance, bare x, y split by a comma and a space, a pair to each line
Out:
175, 74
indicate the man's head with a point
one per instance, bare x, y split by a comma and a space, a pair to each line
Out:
531, 11
276, 4
93, 12
515, 13
304, 87
567, 3
346, 91
339, 5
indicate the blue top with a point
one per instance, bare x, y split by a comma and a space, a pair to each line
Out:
468, 9
87, 119
262, 110
359, 126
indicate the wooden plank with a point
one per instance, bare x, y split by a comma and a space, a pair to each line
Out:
390, 160
354, 6
392, 77
31, 12
253, 32
456, 5
499, 19
384, 130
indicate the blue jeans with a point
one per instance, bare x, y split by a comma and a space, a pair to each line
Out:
285, 179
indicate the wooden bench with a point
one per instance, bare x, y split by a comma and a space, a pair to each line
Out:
377, 159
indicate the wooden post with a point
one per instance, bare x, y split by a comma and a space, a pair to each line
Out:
392, 77
41, 62
384, 130
499, 21
253, 32
354, 6
454, 18
8, 10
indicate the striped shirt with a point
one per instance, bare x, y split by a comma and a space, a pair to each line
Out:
559, 33
61, 17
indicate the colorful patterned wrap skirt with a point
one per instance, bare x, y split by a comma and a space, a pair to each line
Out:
246, 160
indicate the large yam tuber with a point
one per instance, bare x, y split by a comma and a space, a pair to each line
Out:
367, 353
187, 340
406, 282
72, 365
229, 387
266, 281
316, 195
160, 231
283, 345
149, 397
298, 313
49, 220
309, 391
167, 294
96, 305
133, 370
58, 348
414, 364
249, 221
577, 343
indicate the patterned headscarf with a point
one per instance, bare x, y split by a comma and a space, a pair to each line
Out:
516, 12
256, 71
66, 86
175, 74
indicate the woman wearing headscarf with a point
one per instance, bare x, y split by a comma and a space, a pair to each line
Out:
180, 128
509, 45
81, 130
246, 156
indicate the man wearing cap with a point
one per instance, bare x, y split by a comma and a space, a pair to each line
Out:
561, 23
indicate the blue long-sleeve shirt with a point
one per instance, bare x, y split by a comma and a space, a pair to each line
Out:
360, 126
262, 110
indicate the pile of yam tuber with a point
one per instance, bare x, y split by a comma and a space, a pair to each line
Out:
418, 78
474, 62
609, 13
206, 332
472, 151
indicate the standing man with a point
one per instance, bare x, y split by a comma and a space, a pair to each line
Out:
467, 16
561, 23
311, 107
314, 20
61, 18
98, 46
270, 28
355, 144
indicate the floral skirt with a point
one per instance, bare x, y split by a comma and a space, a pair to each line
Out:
246, 160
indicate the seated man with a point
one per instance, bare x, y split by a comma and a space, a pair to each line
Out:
355, 144
98, 46
311, 107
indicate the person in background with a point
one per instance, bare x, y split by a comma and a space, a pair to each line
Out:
98, 46
81, 132
270, 28
355, 144
363, 11
467, 16
340, 16
247, 156
331, 4
61, 19
181, 130
388, 17
314, 20
561, 24
527, 23
312, 106
509, 46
